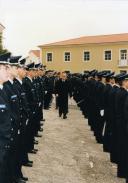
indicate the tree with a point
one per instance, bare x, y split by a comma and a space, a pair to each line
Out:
2, 50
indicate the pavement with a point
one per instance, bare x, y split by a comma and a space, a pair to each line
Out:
68, 152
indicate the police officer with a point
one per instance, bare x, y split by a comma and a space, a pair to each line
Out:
24, 111
33, 106
120, 99
6, 125
49, 89
14, 99
108, 125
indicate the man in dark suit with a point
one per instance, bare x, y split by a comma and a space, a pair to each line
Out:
63, 90
57, 77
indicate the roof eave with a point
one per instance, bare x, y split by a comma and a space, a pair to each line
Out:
47, 46
2, 26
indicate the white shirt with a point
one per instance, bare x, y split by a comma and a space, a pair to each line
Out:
19, 80
11, 81
29, 78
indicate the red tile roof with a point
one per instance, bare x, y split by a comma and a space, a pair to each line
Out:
2, 26
35, 52
100, 39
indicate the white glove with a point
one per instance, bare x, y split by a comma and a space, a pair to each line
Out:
39, 104
27, 121
102, 112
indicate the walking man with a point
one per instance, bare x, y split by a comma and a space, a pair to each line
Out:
63, 90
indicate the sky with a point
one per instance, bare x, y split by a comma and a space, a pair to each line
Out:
30, 23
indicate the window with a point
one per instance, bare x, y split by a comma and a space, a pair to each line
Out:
108, 55
49, 57
108, 71
123, 54
68, 72
86, 56
67, 56
123, 71
86, 71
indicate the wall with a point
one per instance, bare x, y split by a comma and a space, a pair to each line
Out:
77, 64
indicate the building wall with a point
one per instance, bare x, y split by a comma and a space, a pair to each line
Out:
77, 64
33, 58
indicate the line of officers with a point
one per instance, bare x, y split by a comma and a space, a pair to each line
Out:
21, 115
103, 99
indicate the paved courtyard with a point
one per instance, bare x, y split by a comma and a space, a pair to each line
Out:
68, 153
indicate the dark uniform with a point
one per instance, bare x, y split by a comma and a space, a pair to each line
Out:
6, 130
49, 90
120, 99
107, 111
113, 138
63, 89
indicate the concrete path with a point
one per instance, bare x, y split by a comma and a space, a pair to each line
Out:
68, 153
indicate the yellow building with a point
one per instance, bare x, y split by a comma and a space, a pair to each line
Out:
103, 52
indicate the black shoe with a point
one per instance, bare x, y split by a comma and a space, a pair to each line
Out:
46, 108
24, 178
28, 164
35, 142
60, 115
38, 135
64, 117
19, 180
32, 152
30, 161
43, 119
41, 124
41, 130
35, 150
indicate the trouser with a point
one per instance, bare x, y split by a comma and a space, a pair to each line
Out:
57, 104
4, 171
63, 110
30, 132
17, 158
47, 100
24, 153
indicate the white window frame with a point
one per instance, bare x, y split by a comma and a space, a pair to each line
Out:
108, 70
86, 61
68, 70
120, 53
70, 56
104, 55
47, 57
124, 70
119, 60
